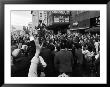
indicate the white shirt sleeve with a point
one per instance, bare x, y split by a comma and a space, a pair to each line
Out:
33, 67
42, 61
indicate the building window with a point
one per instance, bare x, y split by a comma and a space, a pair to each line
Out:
40, 14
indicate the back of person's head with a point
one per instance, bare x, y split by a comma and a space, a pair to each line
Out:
45, 44
51, 47
69, 44
89, 48
77, 45
58, 46
63, 44
16, 53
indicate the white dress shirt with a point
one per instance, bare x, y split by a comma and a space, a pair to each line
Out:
34, 65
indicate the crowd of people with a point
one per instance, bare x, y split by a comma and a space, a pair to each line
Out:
55, 55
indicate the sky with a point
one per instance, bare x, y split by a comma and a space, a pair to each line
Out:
21, 18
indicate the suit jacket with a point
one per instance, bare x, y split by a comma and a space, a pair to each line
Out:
63, 61
32, 48
79, 56
20, 67
48, 57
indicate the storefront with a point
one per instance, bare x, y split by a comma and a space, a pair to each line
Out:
59, 27
84, 21
91, 25
93, 30
59, 22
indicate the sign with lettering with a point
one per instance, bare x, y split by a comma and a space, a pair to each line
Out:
61, 18
60, 12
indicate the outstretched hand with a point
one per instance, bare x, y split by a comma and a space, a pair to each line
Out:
38, 46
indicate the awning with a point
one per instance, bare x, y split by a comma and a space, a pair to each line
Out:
80, 28
94, 29
58, 25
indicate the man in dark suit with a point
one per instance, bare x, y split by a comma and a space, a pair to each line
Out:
48, 56
63, 60
79, 59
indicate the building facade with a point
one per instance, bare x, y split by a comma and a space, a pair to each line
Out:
58, 20
38, 15
30, 27
55, 17
43, 16
84, 19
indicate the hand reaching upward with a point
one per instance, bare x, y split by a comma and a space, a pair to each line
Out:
38, 46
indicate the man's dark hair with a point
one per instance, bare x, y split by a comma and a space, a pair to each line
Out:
77, 45
45, 44
63, 44
51, 47
69, 44
90, 48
